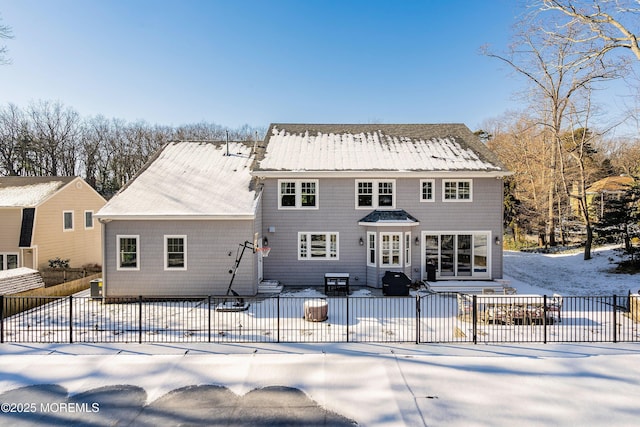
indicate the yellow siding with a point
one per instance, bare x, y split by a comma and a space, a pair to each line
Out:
10, 223
81, 246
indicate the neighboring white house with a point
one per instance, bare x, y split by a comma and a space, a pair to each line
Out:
353, 199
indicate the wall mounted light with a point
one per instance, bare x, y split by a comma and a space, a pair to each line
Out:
497, 240
265, 241
417, 241
361, 242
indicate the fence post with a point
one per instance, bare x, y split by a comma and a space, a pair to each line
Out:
70, 319
544, 318
209, 318
474, 313
615, 319
1, 318
140, 319
278, 318
417, 318
347, 317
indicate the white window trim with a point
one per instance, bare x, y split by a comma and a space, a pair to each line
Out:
166, 252
128, 236
400, 255
433, 190
4, 265
298, 194
373, 248
73, 220
457, 200
93, 220
376, 193
407, 249
328, 235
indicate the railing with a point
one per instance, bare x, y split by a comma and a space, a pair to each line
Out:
440, 318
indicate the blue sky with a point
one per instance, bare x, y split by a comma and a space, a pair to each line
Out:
256, 62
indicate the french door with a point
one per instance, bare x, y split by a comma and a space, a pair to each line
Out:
457, 255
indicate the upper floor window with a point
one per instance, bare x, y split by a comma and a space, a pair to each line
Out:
427, 190
128, 252
67, 220
88, 220
175, 252
375, 194
458, 190
317, 245
298, 194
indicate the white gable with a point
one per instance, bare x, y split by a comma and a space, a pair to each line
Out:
196, 179
366, 151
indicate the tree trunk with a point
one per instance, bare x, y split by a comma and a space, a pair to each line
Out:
588, 242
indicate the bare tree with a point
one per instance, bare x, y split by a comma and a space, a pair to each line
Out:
55, 132
557, 71
604, 25
5, 33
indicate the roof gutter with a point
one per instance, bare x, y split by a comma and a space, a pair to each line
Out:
380, 173
104, 218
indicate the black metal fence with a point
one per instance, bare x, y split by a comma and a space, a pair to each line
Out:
431, 318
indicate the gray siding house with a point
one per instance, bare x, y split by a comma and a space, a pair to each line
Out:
366, 199
175, 228
356, 199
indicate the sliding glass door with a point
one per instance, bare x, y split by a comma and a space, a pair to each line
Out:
462, 255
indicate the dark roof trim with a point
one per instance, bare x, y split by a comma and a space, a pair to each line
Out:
26, 230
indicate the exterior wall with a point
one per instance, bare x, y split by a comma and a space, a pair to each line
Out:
210, 255
81, 246
10, 224
337, 213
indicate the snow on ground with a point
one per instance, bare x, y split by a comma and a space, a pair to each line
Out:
568, 273
386, 384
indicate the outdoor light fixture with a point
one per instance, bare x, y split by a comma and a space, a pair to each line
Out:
265, 241
361, 242
417, 241
497, 240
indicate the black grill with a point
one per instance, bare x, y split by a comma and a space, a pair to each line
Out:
395, 284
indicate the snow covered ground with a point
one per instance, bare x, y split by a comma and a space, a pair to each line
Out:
383, 384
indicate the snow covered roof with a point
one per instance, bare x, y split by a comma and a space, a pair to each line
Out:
18, 191
18, 280
189, 179
611, 184
376, 147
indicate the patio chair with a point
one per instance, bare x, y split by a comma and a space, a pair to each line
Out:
488, 291
555, 307
509, 290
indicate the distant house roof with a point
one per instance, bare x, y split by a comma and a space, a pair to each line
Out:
18, 280
376, 147
189, 179
18, 191
389, 217
611, 184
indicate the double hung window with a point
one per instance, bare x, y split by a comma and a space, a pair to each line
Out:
298, 194
67, 220
128, 252
375, 194
175, 257
317, 245
459, 190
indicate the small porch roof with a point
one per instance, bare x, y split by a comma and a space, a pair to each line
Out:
390, 217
